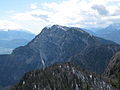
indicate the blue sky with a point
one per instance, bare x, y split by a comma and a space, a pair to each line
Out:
19, 5
33, 15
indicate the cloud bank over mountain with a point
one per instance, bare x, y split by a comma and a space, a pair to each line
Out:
81, 13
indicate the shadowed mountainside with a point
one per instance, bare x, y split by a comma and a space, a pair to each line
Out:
53, 45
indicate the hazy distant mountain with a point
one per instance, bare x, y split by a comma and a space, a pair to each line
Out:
112, 32
5, 50
15, 34
53, 45
89, 31
65, 76
13, 38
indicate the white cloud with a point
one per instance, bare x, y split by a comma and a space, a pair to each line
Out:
23, 16
69, 12
5, 24
30, 15
100, 9
113, 0
33, 6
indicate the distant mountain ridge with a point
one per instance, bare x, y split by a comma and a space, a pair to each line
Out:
16, 34
53, 45
112, 32
11, 39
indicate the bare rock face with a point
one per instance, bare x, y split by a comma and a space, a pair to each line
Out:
65, 76
57, 44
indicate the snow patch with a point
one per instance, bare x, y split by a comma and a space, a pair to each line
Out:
61, 27
60, 66
43, 62
23, 82
49, 26
35, 86
73, 70
76, 88
91, 76
67, 66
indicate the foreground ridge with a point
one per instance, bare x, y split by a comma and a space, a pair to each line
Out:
65, 76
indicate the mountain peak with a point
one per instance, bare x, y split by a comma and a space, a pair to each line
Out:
56, 27
115, 26
111, 32
54, 45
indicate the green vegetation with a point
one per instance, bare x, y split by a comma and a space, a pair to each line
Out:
116, 84
118, 77
88, 87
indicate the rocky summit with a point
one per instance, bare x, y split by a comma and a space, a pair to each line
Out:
65, 76
57, 44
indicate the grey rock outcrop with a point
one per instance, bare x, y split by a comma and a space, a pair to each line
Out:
65, 76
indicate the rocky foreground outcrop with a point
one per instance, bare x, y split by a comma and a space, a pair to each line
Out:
65, 76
